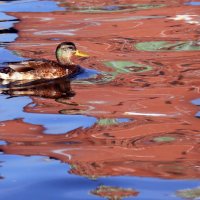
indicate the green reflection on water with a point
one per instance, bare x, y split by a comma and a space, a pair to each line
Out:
168, 46
114, 193
191, 194
164, 139
107, 122
127, 66
120, 67
116, 8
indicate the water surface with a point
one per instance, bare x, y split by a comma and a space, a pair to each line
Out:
127, 126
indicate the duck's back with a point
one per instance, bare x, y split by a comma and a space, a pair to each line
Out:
46, 69
34, 69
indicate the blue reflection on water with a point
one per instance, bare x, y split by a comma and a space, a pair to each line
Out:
2, 142
6, 24
35, 177
53, 123
123, 120
8, 37
193, 3
198, 114
84, 73
111, 8
8, 56
196, 102
30, 6
4, 16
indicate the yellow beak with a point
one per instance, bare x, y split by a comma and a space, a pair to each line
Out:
81, 54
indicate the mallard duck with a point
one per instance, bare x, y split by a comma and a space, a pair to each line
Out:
45, 69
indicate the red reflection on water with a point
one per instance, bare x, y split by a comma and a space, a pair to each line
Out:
162, 140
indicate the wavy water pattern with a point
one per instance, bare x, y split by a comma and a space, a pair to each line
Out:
127, 125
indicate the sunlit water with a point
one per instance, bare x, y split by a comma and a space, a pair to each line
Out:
126, 126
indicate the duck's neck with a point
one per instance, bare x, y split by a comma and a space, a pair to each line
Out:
64, 58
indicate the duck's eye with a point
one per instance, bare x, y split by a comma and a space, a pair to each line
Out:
71, 48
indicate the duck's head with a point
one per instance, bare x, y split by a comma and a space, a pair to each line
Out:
65, 51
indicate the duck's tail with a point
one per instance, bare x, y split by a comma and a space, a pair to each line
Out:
4, 76
12, 76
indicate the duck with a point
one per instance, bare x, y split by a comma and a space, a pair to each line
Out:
45, 69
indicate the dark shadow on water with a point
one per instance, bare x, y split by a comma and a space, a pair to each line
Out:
55, 88
9, 30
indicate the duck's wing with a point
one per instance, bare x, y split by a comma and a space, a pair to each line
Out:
29, 65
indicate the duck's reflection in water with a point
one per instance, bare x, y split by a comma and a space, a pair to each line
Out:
51, 88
